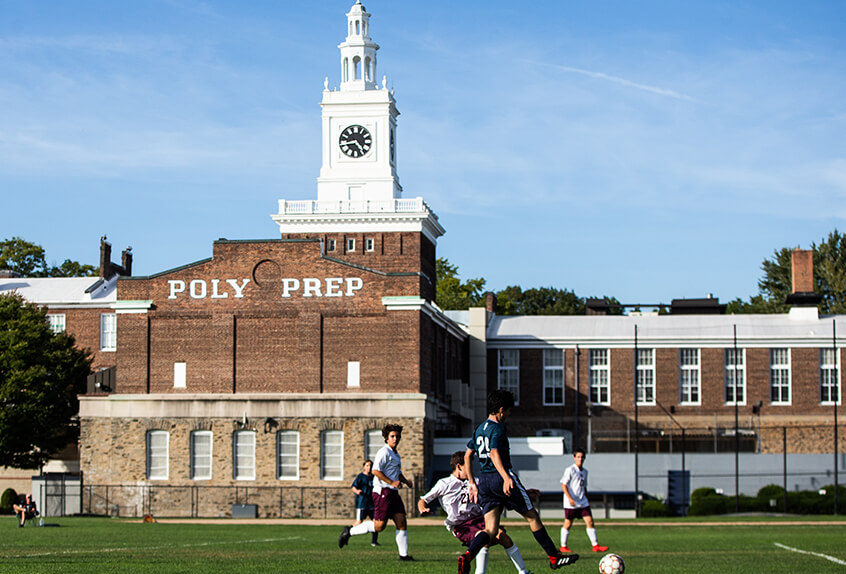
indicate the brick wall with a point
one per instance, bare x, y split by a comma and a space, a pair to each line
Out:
84, 325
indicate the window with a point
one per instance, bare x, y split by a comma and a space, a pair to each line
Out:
367, 69
553, 377
598, 377
288, 450
780, 376
353, 374
332, 455
350, 244
157, 445
735, 376
346, 69
646, 376
57, 323
201, 455
108, 332
368, 244
179, 375
373, 441
244, 455
357, 67
330, 245
689, 376
829, 377
508, 377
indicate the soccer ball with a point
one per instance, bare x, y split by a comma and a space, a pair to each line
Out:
612, 564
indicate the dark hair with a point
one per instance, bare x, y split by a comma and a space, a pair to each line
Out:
387, 429
456, 459
366, 461
500, 398
579, 450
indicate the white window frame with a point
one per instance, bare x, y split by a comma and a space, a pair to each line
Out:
158, 463
691, 370
508, 372
57, 322
781, 371
198, 471
280, 466
108, 332
599, 376
826, 365
645, 376
553, 376
369, 244
180, 375
335, 470
735, 375
247, 454
350, 244
373, 441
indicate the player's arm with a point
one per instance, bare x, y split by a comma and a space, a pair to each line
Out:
472, 489
381, 476
567, 494
507, 482
405, 480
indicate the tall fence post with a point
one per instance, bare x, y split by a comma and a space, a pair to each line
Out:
784, 464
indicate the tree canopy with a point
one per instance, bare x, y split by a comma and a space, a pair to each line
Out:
41, 374
28, 259
452, 292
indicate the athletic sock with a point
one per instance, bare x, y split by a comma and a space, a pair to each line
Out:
591, 532
374, 538
402, 542
482, 539
363, 528
565, 534
517, 558
542, 536
482, 560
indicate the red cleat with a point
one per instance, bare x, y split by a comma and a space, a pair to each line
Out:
598, 548
565, 550
464, 564
556, 562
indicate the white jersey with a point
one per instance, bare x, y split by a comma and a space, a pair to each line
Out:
389, 463
454, 497
576, 482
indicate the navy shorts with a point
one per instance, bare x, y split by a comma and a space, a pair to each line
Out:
491, 495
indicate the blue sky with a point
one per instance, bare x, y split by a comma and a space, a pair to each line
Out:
645, 150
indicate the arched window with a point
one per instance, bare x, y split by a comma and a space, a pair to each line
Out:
367, 70
346, 69
357, 66
357, 24
350, 28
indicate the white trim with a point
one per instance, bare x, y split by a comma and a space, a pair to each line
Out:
734, 368
698, 370
235, 473
839, 370
606, 368
553, 368
193, 469
500, 369
647, 368
105, 344
789, 369
413, 303
131, 307
279, 455
149, 454
58, 322
323, 472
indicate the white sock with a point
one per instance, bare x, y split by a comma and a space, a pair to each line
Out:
517, 558
363, 528
564, 535
402, 542
591, 532
482, 560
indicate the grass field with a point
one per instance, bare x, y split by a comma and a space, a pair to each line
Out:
105, 545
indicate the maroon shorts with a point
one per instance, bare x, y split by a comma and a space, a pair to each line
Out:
574, 513
386, 504
467, 530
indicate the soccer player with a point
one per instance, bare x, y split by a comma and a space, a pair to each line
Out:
574, 485
499, 487
362, 486
387, 480
465, 519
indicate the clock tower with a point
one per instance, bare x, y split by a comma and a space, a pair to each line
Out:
358, 190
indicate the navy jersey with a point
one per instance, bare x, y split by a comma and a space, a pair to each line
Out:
364, 483
489, 435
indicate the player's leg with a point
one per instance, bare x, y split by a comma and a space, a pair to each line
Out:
481, 540
511, 549
358, 514
520, 501
591, 531
565, 530
402, 535
374, 536
375, 525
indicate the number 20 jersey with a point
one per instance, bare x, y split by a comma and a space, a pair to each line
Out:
490, 435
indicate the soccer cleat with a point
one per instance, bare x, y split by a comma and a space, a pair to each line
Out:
556, 562
565, 550
344, 537
374, 544
464, 564
407, 558
598, 548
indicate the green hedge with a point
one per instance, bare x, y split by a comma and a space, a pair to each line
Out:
705, 501
7, 499
653, 508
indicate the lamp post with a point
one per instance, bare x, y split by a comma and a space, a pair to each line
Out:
736, 433
636, 429
684, 442
835, 401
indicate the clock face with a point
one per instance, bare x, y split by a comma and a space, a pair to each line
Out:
355, 141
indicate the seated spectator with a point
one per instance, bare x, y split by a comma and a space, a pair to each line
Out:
26, 510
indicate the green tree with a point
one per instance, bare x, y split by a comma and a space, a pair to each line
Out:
513, 300
28, 259
41, 374
453, 294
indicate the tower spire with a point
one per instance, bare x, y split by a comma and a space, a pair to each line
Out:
358, 52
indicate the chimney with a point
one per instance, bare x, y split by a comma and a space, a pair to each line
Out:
105, 258
802, 300
126, 261
490, 302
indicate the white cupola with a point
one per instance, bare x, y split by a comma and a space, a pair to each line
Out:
358, 52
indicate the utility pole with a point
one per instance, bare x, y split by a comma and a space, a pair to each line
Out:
736, 433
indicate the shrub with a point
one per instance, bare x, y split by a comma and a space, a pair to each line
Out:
653, 508
703, 492
705, 505
7, 499
771, 491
